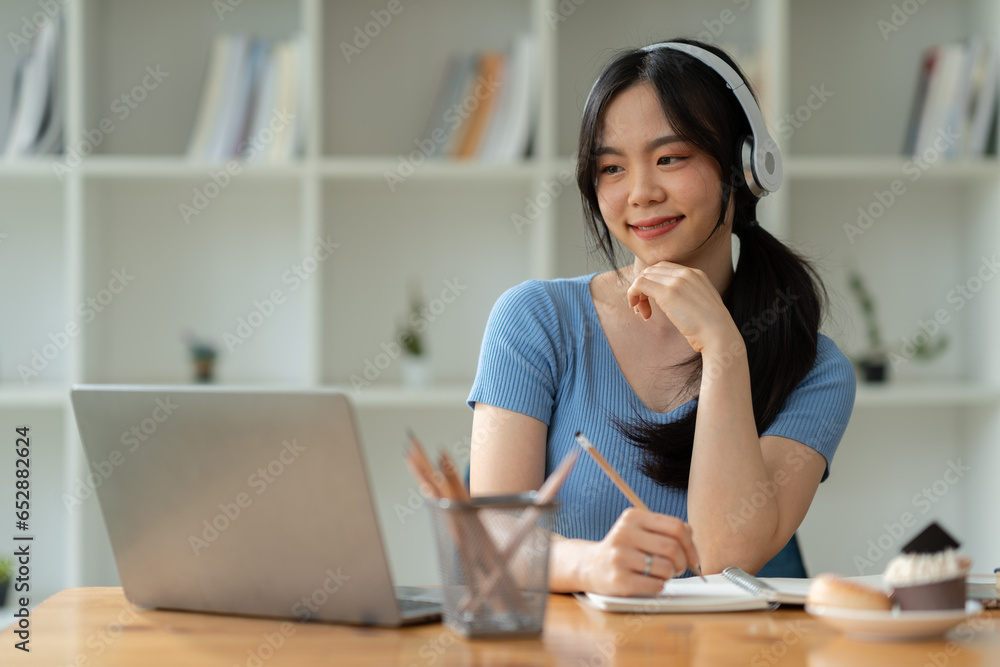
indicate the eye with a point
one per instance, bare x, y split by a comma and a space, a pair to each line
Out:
610, 169
676, 158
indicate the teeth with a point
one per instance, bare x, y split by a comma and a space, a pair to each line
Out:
662, 224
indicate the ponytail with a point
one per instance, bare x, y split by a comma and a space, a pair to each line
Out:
776, 300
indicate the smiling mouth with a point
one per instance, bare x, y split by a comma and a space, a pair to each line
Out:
662, 224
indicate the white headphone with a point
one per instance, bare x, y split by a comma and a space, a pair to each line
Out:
761, 157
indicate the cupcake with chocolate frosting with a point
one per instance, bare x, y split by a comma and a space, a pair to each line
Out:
929, 574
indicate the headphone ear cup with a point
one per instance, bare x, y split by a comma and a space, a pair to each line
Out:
748, 171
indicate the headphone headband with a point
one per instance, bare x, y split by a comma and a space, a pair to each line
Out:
762, 167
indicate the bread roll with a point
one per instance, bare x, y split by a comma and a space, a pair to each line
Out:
831, 591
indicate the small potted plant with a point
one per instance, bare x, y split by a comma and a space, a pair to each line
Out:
203, 355
6, 574
414, 366
873, 364
874, 361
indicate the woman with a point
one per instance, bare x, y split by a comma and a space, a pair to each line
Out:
710, 390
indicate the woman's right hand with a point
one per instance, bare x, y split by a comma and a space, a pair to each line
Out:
615, 565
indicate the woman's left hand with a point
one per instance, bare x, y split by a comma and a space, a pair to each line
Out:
689, 299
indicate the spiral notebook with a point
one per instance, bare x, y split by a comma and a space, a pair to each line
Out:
733, 590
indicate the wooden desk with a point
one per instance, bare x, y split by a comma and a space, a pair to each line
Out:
97, 626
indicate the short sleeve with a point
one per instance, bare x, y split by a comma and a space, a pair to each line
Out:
518, 363
818, 409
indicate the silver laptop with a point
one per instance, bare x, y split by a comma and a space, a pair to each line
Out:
241, 501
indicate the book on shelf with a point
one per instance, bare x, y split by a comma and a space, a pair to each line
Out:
517, 116
35, 123
486, 106
253, 102
954, 101
490, 74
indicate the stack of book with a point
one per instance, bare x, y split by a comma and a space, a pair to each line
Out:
487, 105
955, 103
35, 124
253, 104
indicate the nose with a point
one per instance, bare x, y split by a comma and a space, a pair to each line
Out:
645, 188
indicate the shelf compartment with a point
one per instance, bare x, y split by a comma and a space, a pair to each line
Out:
927, 221
214, 276
38, 330
872, 76
590, 35
926, 394
399, 97
124, 37
459, 244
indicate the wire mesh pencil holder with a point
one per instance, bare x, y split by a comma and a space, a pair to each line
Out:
493, 556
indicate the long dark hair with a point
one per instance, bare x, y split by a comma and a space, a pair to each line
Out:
775, 297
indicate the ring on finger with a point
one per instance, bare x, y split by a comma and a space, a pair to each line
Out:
649, 565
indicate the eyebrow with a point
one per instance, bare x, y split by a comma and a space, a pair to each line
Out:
650, 146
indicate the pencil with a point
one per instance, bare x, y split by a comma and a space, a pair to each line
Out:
617, 479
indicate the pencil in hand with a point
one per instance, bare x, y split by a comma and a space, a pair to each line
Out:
617, 479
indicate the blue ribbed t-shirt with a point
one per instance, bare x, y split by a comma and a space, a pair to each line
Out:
545, 354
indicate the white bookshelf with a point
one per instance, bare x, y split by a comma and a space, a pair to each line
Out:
452, 220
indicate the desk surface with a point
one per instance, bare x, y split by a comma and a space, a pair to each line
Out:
97, 626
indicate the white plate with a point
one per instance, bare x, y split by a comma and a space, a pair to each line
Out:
893, 625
